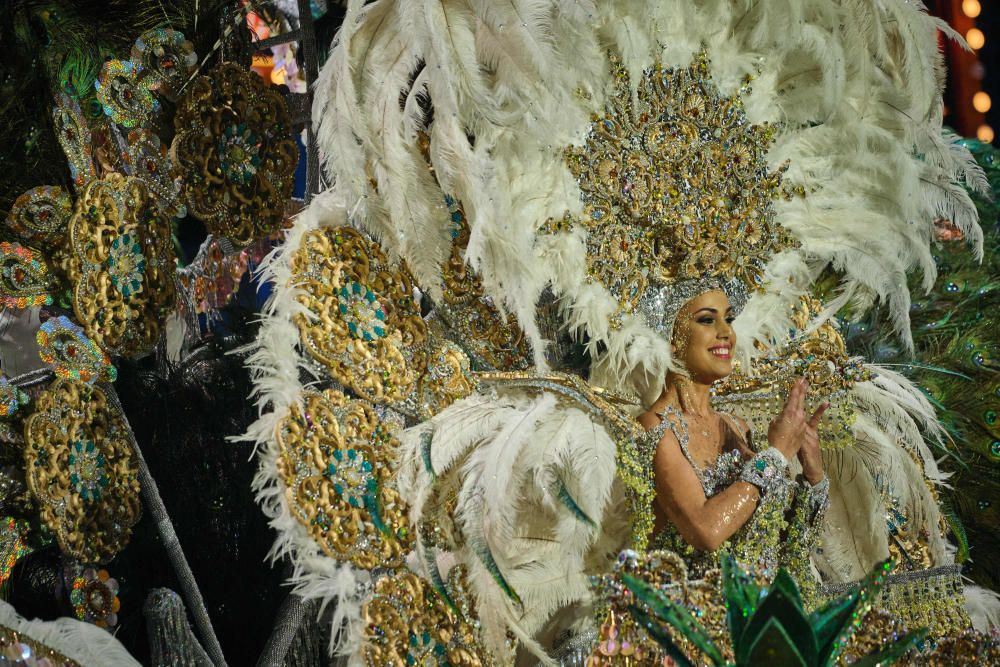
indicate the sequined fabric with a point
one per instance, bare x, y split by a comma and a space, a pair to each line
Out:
782, 526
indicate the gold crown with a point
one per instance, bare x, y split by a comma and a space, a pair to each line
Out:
675, 186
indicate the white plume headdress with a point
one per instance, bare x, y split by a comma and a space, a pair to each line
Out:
850, 90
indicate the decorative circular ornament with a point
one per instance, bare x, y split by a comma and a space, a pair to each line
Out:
24, 280
239, 153
39, 216
124, 94
408, 622
336, 461
80, 469
166, 60
64, 346
94, 596
235, 150
362, 311
126, 265
121, 264
364, 325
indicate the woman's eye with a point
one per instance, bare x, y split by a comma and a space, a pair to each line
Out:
706, 320
730, 319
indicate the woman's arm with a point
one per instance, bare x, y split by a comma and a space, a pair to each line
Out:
704, 523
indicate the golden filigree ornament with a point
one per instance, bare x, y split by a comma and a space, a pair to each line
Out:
677, 193
40, 215
235, 150
337, 461
492, 341
448, 379
821, 357
121, 263
364, 325
148, 161
80, 469
411, 623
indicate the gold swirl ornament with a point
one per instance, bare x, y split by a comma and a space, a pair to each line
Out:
81, 471
363, 325
409, 622
448, 378
25, 280
40, 215
121, 263
336, 461
235, 152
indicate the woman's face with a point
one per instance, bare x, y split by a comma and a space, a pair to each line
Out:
704, 337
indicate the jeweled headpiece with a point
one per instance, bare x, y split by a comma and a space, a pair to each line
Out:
678, 197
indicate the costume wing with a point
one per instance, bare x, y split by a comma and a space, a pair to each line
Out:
518, 483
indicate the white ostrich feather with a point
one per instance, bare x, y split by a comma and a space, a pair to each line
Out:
84, 643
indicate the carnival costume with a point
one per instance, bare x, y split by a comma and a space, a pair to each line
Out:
465, 324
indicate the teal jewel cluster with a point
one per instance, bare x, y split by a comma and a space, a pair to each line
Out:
126, 265
239, 153
362, 311
352, 477
86, 468
425, 651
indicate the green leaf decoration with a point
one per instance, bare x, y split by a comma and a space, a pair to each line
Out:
772, 647
675, 615
784, 607
784, 582
741, 595
776, 632
890, 654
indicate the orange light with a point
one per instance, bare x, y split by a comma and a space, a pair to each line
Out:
985, 134
975, 38
971, 8
981, 102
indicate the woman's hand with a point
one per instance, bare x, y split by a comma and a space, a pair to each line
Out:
809, 453
787, 430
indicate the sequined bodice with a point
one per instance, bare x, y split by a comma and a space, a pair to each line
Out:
758, 542
715, 477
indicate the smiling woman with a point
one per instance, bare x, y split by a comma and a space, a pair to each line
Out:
712, 489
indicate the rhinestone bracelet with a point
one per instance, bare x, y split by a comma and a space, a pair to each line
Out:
765, 469
818, 495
